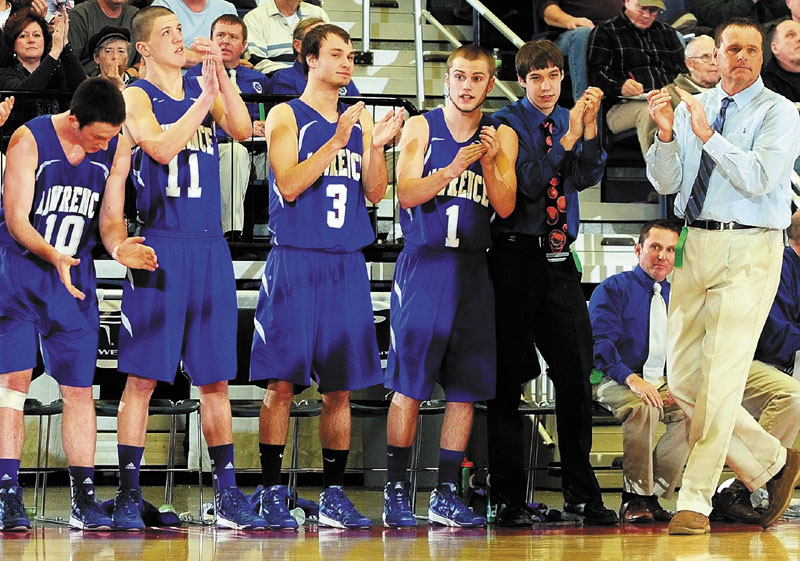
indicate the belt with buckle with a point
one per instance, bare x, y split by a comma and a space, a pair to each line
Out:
714, 225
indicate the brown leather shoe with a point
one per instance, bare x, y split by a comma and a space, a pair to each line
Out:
635, 511
689, 523
781, 488
733, 503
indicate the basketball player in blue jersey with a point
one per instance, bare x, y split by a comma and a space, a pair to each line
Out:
314, 311
187, 309
65, 179
456, 169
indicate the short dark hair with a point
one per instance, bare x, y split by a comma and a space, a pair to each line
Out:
16, 23
230, 19
661, 223
142, 22
537, 55
314, 38
735, 22
793, 231
472, 52
301, 29
98, 100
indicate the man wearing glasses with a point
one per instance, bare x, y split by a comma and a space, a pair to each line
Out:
630, 55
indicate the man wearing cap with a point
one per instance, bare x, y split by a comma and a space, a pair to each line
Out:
88, 18
630, 55
110, 49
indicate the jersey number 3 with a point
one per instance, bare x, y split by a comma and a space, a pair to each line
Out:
338, 193
194, 190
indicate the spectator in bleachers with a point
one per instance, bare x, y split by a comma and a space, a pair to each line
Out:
537, 284
111, 49
271, 26
630, 55
782, 73
196, 17
25, 66
8, 7
772, 395
715, 12
91, 16
577, 18
293, 80
230, 33
703, 74
629, 322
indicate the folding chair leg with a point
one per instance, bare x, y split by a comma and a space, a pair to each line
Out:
415, 455
169, 488
295, 456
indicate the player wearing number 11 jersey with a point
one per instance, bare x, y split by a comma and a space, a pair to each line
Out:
185, 311
64, 181
314, 314
456, 169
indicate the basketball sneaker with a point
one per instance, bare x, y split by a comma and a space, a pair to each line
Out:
336, 510
236, 512
397, 506
127, 513
86, 514
272, 505
447, 508
12, 509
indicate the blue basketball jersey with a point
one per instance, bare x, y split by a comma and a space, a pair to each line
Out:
458, 217
66, 200
332, 213
184, 195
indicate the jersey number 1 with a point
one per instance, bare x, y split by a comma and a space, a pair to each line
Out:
452, 227
194, 190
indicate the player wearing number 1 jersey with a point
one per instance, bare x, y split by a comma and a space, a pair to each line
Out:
187, 309
65, 179
456, 169
314, 314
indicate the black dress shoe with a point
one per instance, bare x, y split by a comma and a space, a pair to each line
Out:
660, 514
635, 511
733, 503
514, 517
592, 514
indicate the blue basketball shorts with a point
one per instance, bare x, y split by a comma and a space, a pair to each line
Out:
314, 318
184, 310
36, 309
442, 327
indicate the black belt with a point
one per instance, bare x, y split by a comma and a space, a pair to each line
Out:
714, 225
523, 239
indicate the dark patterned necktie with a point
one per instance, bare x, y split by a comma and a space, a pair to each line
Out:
555, 204
695, 203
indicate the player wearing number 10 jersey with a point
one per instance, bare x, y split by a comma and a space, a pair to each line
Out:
456, 168
187, 309
65, 179
314, 314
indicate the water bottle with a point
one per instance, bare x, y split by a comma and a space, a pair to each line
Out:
498, 61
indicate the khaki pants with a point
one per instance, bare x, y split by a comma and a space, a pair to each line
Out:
629, 115
773, 397
646, 470
234, 176
718, 305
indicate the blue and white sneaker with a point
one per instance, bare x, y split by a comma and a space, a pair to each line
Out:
272, 505
236, 512
397, 506
86, 514
128, 508
12, 510
336, 510
447, 508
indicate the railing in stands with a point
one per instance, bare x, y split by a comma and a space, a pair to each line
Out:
421, 16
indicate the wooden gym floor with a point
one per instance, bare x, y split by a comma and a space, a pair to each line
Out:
550, 542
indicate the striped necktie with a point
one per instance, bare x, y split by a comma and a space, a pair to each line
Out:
695, 203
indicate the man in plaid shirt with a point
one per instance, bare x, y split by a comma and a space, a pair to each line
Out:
629, 56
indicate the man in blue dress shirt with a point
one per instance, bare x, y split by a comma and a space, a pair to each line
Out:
620, 312
538, 296
727, 153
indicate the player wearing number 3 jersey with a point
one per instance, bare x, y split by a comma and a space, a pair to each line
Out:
456, 169
65, 180
185, 311
314, 314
